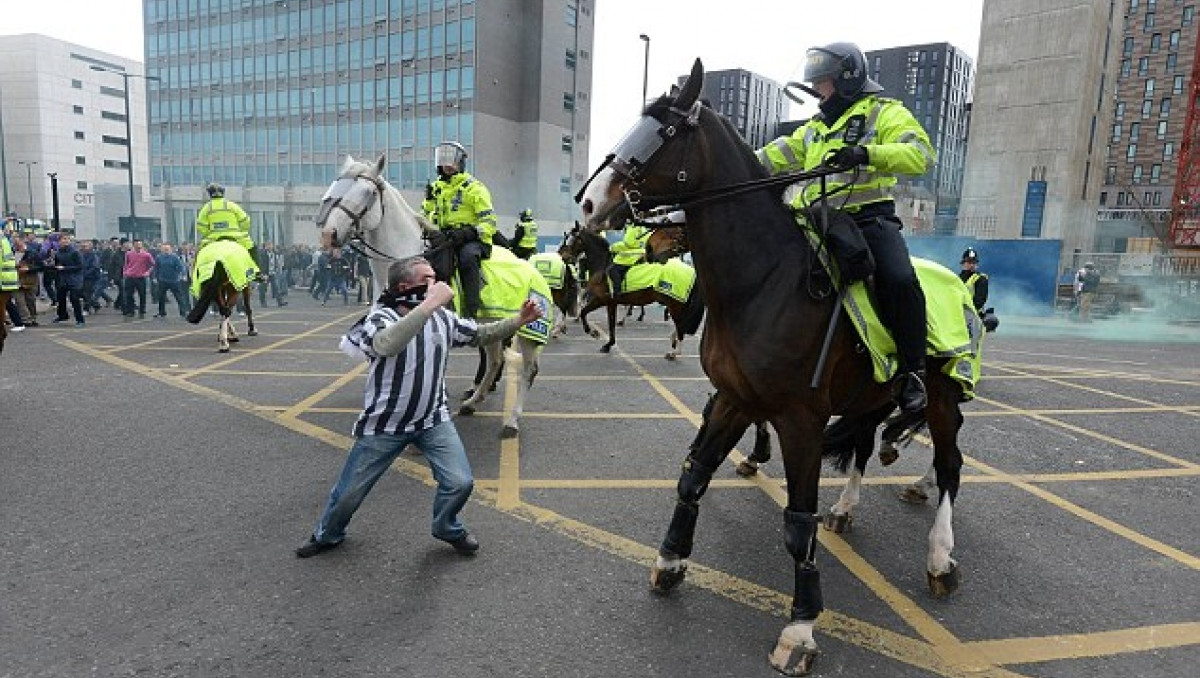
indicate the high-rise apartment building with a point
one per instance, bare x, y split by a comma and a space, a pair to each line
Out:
1149, 106
754, 104
934, 81
268, 97
60, 115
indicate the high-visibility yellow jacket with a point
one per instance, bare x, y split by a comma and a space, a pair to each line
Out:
895, 142
10, 281
463, 200
526, 234
220, 219
631, 248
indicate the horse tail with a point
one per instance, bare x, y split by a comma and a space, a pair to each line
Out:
208, 294
853, 437
693, 312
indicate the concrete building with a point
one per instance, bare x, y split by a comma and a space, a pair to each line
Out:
1040, 120
754, 104
268, 97
59, 115
1149, 107
934, 81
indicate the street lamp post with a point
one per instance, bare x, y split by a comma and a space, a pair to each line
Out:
128, 133
645, 67
53, 199
29, 182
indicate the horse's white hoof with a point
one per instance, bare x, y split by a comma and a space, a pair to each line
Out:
942, 585
839, 523
794, 655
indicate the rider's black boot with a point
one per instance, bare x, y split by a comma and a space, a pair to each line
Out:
910, 392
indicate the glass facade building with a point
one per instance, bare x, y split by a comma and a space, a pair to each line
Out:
267, 97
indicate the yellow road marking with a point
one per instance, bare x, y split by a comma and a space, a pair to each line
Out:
305, 405
238, 356
509, 496
1085, 645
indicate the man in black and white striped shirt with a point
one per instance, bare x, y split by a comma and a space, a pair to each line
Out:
407, 339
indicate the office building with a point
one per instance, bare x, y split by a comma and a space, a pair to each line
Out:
268, 97
934, 81
59, 115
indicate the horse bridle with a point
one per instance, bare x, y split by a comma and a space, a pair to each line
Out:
334, 199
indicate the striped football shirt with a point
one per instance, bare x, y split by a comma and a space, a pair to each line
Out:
407, 392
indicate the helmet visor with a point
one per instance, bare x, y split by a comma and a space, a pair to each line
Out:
821, 63
449, 155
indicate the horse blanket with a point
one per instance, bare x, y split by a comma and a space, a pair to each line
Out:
508, 282
239, 265
552, 267
953, 328
673, 278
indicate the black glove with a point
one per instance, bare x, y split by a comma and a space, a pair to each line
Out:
847, 157
429, 191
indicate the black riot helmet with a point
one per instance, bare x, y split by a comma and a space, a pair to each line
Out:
845, 63
970, 254
215, 190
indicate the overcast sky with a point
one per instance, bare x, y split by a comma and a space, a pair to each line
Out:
767, 37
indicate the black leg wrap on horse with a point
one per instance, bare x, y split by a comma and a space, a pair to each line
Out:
693, 483
708, 408
800, 536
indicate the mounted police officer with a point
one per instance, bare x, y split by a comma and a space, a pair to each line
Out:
462, 210
525, 235
871, 139
223, 219
627, 252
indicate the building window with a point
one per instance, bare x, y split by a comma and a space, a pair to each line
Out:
116, 141
1157, 198
1137, 174
1164, 107
116, 164
1124, 68
1172, 62
77, 110
1155, 173
1161, 132
1168, 151
1188, 15
1149, 22
568, 101
1135, 131
1173, 41
1150, 87
1103, 198
80, 160
572, 14
1155, 42
1131, 152
1143, 67
1120, 199
564, 185
109, 115
570, 59
1177, 85
1147, 105
81, 185
78, 134
566, 143
1110, 175
76, 84
1120, 112
1128, 49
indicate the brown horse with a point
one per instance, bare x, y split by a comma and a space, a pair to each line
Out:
217, 286
593, 249
764, 346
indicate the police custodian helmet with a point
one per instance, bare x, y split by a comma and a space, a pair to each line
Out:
845, 63
215, 190
970, 254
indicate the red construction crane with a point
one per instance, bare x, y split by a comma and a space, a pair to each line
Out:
1185, 206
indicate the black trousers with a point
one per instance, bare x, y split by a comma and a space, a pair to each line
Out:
900, 298
470, 274
133, 285
76, 297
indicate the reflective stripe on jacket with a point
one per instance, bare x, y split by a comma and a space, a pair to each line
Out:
895, 143
222, 218
529, 236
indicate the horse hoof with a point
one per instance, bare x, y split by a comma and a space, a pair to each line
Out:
252, 333
888, 454
670, 356
942, 585
223, 350
234, 340
605, 348
914, 495
466, 410
793, 659
509, 432
839, 523
746, 469
662, 580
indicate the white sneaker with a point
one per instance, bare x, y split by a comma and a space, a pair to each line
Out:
20, 328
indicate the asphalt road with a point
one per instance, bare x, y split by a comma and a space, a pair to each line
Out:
153, 491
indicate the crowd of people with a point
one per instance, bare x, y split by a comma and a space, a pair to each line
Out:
75, 279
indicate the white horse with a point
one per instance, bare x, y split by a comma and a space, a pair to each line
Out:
362, 208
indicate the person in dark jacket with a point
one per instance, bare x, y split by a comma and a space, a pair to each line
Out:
93, 275
170, 273
68, 265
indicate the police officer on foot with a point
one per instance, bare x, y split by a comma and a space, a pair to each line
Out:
221, 218
871, 139
462, 210
975, 279
525, 235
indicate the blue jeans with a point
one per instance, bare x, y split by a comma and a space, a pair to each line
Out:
370, 457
